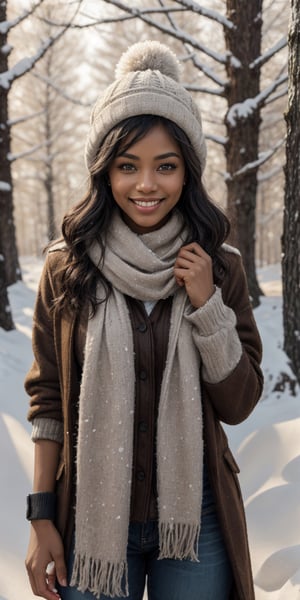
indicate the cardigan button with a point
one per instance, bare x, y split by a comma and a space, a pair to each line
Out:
140, 476
143, 375
142, 327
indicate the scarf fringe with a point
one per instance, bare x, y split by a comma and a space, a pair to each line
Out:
100, 577
179, 540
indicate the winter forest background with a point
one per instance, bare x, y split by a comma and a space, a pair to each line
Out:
241, 60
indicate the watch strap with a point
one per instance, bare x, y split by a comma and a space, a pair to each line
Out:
41, 505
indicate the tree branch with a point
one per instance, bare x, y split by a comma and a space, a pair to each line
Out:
178, 34
206, 12
13, 157
117, 19
264, 58
210, 74
12, 122
276, 96
7, 26
26, 64
263, 157
217, 139
61, 92
262, 177
191, 87
243, 110
191, 56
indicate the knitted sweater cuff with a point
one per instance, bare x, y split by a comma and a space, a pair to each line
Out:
216, 337
47, 429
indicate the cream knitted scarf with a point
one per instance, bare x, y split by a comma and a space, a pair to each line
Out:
141, 267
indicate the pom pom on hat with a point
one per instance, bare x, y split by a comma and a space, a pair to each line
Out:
147, 84
149, 55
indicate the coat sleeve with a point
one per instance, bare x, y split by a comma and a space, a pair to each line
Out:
226, 335
42, 382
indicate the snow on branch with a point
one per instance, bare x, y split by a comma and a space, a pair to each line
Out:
178, 34
263, 157
60, 91
208, 72
217, 139
262, 177
107, 20
243, 110
12, 157
206, 12
191, 87
192, 56
261, 60
278, 95
12, 122
26, 64
6, 26
4, 187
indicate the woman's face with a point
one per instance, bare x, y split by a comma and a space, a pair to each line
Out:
147, 179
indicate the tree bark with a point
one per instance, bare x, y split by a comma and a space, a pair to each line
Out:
291, 225
244, 45
7, 226
6, 320
49, 180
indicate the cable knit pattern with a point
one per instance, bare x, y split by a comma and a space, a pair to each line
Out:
146, 86
216, 338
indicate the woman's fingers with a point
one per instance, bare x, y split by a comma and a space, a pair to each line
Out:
45, 560
193, 269
42, 583
51, 576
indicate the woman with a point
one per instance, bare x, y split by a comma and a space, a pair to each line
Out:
144, 340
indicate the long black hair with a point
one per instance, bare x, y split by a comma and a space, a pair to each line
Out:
90, 218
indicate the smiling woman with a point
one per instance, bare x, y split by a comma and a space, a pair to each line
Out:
147, 186
144, 341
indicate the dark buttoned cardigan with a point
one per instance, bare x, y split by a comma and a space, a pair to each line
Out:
53, 383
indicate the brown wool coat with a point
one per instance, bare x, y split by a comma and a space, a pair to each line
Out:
54, 380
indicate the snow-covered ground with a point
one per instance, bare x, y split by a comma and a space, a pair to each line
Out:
267, 447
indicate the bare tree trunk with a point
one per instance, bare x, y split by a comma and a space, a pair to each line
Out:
6, 320
7, 226
291, 228
49, 176
244, 45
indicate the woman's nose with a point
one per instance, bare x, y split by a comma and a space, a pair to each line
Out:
146, 182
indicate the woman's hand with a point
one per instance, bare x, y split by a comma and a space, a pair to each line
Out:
45, 546
193, 269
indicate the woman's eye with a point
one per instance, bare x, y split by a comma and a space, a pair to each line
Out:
126, 167
167, 167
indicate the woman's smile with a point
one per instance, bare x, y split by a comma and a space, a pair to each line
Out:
147, 204
147, 180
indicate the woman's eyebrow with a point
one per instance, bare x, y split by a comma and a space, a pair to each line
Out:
159, 157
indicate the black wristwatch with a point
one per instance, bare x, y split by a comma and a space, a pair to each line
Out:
41, 505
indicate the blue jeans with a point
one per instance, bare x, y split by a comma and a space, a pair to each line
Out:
168, 579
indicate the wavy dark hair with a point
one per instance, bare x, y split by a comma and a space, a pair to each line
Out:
90, 218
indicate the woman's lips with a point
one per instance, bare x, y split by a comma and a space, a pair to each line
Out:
146, 203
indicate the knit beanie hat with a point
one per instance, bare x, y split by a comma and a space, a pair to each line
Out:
147, 83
